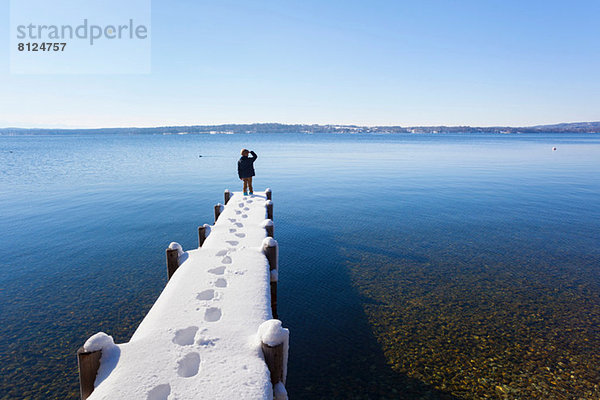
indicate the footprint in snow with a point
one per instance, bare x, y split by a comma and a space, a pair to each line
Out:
232, 242
160, 392
232, 230
221, 253
189, 365
240, 235
212, 314
239, 224
249, 201
185, 337
241, 205
244, 216
226, 260
238, 212
206, 341
232, 219
217, 271
246, 209
206, 295
221, 282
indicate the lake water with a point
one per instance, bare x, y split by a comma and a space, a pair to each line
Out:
412, 266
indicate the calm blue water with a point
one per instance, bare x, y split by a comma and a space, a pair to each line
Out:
403, 257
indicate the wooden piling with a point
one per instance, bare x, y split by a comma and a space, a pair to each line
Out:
227, 196
201, 235
274, 360
269, 209
88, 363
218, 209
271, 254
172, 262
274, 299
268, 225
268, 193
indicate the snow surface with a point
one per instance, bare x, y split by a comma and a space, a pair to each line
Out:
175, 245
269, 242
267, 222
272, 333
201, 338
279, 392
99, 341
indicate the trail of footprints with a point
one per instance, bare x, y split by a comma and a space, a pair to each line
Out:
189, 365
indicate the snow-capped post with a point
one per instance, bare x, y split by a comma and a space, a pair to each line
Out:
269, 209
99, 348
88, 363
173, 252
227, 196
268, 193
218, 210
268, 225
271, 251
203, 232
274, 340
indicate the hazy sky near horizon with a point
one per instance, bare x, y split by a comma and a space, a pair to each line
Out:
425, 62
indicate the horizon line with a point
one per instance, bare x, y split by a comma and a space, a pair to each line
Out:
301, 124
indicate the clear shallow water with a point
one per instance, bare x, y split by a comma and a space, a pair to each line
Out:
454, 266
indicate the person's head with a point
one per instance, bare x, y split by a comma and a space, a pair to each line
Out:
244, 152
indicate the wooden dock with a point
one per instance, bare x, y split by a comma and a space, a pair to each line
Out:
213, 332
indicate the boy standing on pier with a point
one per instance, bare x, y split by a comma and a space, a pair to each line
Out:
246, 170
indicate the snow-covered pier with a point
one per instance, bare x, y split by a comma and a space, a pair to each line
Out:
211, 333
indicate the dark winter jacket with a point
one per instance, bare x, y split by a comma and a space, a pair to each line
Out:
246, 166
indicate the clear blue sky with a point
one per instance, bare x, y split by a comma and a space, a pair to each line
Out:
417, 62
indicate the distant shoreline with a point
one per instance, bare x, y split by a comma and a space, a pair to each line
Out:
576, 127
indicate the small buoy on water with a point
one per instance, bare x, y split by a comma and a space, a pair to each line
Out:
554, 149
200, 155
